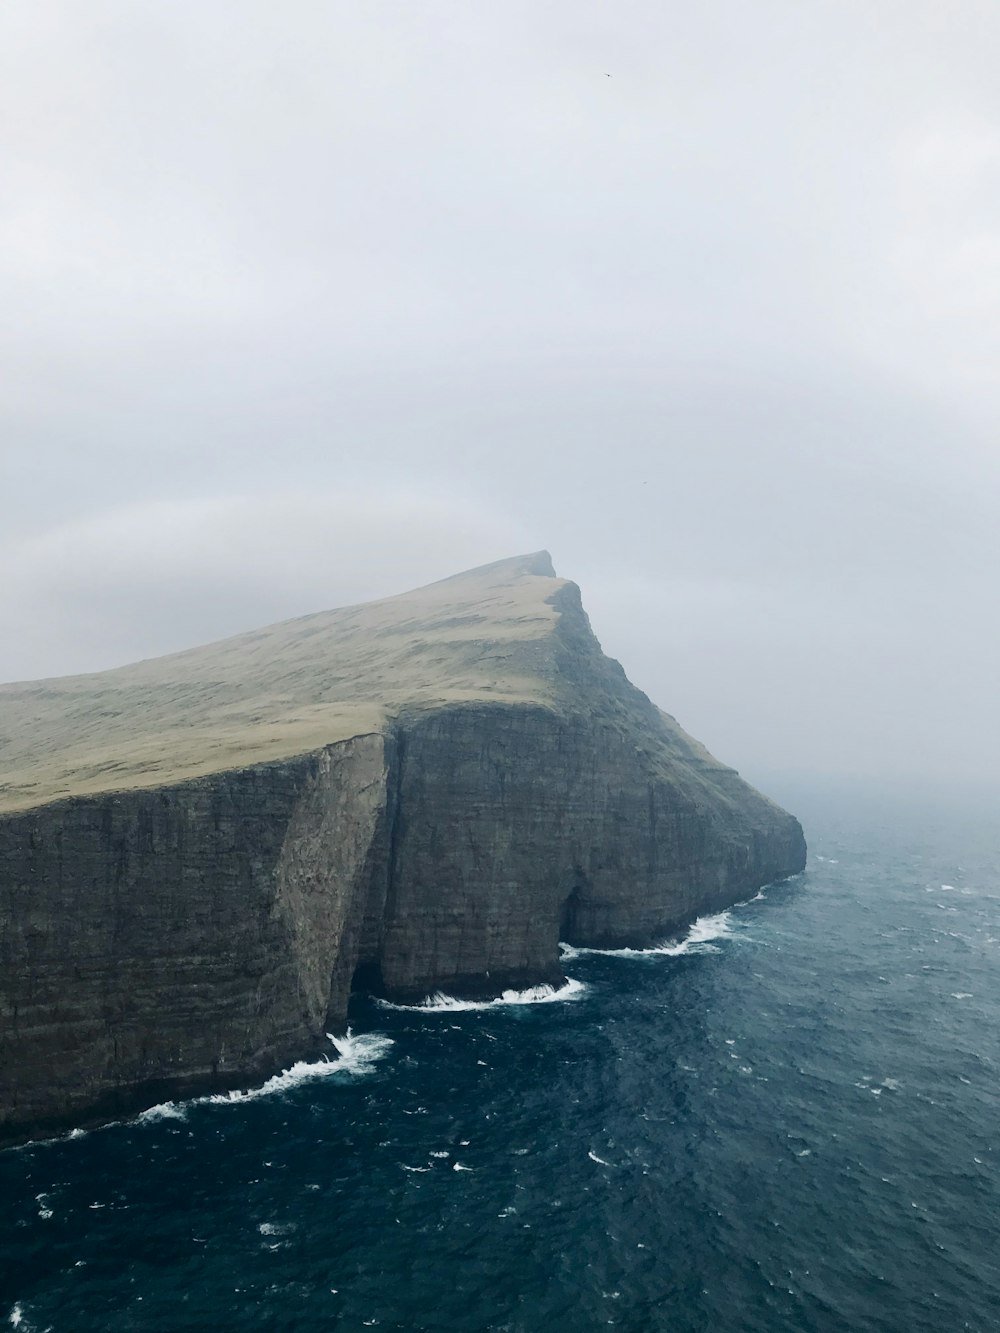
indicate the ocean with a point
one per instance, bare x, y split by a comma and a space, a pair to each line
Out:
786, 1121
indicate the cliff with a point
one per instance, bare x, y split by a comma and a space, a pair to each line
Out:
200, 853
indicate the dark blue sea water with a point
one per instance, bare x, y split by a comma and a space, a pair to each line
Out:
789, 1124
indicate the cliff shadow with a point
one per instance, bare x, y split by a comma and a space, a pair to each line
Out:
572, 912
368, 979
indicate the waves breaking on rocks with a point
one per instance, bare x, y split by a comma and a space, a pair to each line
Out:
356, 1055
440, 1003
699, 939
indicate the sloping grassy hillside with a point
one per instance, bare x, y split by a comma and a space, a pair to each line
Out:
283, 690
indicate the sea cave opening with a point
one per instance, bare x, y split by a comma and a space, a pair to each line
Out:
570, 916
367, 978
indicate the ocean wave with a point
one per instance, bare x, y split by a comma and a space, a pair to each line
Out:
440, 1003
759, 897
699, 939
355, 1055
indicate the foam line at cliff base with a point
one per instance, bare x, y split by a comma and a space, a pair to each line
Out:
698, 940
439, 1003
355, 1055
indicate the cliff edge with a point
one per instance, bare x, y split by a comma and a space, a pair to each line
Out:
200, 853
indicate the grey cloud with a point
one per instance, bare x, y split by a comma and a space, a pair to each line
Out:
313, 305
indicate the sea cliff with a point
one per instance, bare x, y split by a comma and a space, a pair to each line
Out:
200, 854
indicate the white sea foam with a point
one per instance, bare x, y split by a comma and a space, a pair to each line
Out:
164, 1111
439, 1003
759, 897
355, 1055
599, 1160
699, 939
961, 995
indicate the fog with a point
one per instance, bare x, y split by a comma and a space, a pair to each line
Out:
307, 304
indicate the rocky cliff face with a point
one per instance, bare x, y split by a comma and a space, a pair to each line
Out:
204, 931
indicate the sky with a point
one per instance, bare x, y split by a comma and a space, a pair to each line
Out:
309, 303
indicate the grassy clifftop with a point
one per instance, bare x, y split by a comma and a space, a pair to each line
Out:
485, 635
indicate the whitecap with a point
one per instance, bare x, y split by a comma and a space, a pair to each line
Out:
457, 1166
599, 1160
699, 939
440, 1003
355, 1055
961, 995
164, 1111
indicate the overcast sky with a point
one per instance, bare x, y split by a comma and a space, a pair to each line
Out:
307, 303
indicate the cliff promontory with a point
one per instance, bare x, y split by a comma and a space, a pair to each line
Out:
200, 853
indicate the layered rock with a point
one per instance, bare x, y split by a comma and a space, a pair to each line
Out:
427, 792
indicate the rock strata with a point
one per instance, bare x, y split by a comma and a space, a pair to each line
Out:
200, 854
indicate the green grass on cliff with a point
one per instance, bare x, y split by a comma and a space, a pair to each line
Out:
283, 690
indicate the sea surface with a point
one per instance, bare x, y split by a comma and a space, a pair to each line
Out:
786, 1121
